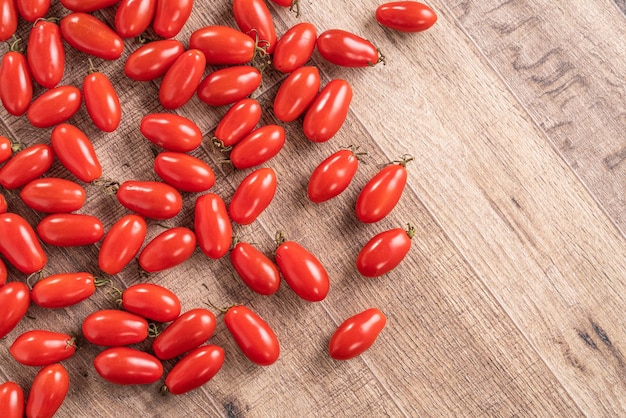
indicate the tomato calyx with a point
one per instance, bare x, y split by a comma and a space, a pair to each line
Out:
357, 151
381, 58
211, 305
55, 20
295, 7
410, 230
108, 186
71, 343
404, 160
40, 275
279, 238
218, 144
13, 44
153, 330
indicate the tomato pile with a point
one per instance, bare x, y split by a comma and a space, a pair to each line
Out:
242, 53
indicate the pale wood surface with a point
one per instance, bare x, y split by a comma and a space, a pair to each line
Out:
511, 301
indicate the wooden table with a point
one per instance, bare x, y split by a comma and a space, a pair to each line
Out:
511, 301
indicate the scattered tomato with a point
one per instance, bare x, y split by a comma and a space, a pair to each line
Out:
90, 35
151, 199
223, 45
70, 230
14, 303
54, 106
212, 225
384, 251
63, 289
121, 244
16, 87
170, 17
295, 47
19, 244
255, 268
296, 93
184, 172
332, 176
168, 249
229, 85
172, 132
102, 102
7, 148
252, 196
41, 347
27, 165
53, 195
356, 334
238, 121
344, 48
153, 59
254, 19
48, 391
8, 19
328, 111
76, 152
253, 335
87, 5
152, 302
3, 273
45, 53
127, 366
182, 79
195, 369
406, 16
31, 10
11, 400
258, 147
187, 332
112, 327
133, 17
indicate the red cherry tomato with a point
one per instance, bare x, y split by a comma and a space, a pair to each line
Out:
54, 106
238, 121
255, 269
356, 334
16, 87
87, 34
121, 244
295, 47
195, 369
41, 348
11, 400
31, 10
328, 111
187, 332
344, 48
63, 289
45, 54
296, 93
253, 196
258, 147
3, 273
8, 19
182, 79
184, 172
133, 17
171, 16
253, 335
302, 271
112, 327
127, 366
384, 251
152, 302
151, 199
406, 16
7, 148
3, 204
70, 230
102, 102
332, 176
53, 195
153, 59
27, 165
87, 5
172, 132
254, 19
14, 303
48, 391
229, 85
223, 45
382, 192
168, 249
75, 151
19, 244
212, 225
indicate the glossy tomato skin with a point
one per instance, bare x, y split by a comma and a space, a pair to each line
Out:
153, 59
253, 335
406, 16
127, 366
25, 166
102, 102
258, 147
381, 193
182, 79
296, 93
329, 110
8, 19
151, 199
195, 369
170, 17
184, 172
19, 244
332, 176
229, 85
41, 347
384, 252
223, 45
14, 303
168, 249
6, 149
3, 273
254, 19
302, 271
133, 17
356, 334
113, 327
70, 230
76, 152
11, 400
255, 268
87, 34
253, 196
187, 332
53, 195
212, 225
344, 48
54, 106
151, 301
48, 391
63, 289
16, 87
87, 5
170, 131
295, 47
237, 122
31, 10
121, 244
45, 54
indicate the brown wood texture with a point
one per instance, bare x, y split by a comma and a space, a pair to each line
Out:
510, 302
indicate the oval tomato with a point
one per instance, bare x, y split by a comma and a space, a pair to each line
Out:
153, 59
16, 87
255, 269
7, 148
151, 199
48, 391
172, 132
238, 121
63, 289
112, 327
75, 151
195, 369
8, 19
152, 302
3, 273
356, 334
19, 244
102, 102
229, 85
223, 45
70, 230
31, 10
258, 147
133, 17
45, 54
302, 271
41, 347
184, 172
254, 19
54, 106
295, 47
168, 249
296, 93
121, 244
26, 166
87, 5
253, 335
87, 34
127, 366
53, 195
14, 303
170, 17
328, 111
3, 204
406, 16
11, 400
182, 79
384, 251
252, 196
344, 48
212, 225
332, 176
187, 332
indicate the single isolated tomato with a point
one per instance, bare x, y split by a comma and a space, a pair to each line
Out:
7, 148
45, 53
54, 106
253, 196
88, 34
102, 102
14, 303
253, 335
168, 249
3, 273
41, 347
344, 48
48, 391
127, 366
406, 16
182, 79
16, 86
152, 60
27, 165
76, 152
184, 172
295, 47
151, 199
133, 17
187, 332
223, 45
237, 122
122, 243
151, 301
171, 131
195, 369
87, 5
296, 93
170, 17
384, 251
212, 225
258, 147
254, 18
229, 85
356, 334
329, 110
8, 19
256, 270
70, 230
19, 244
53, 195
333, 175
11, 400
63, 289
31, 10
113, 327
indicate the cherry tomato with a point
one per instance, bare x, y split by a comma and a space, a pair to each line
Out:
133, 17
356, 334
87, 5
182, 79
54, 106
19, 244
172, 132
255, 268
333, 175
3, 204
195, 369
153, 59
87, 34
3, 273
27, 165
102, 102
229, 85
53, 195
127, 366
382, 192
70, 230
212, 225
76, 152
296, 93
295, 47
45, 54
344, 48
14, 303
112, 327
48, 391
151, 199
184, 172
406, 16
223, 45
253, 335
170, 17
7, 148
258, 147
384, 251
31, 10
8, 19
121, 244
254, 19
152, 302
302, 271
41, 348
328, 111
168, 249
187, 332
252, 196
238, 121
16, 87
63, 289
11, 400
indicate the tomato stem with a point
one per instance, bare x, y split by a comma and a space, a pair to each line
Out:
279, 238
153, 330
217, 143
404, 160
71, 343
109, 186
209, 303
100, 281
92, 68
16, 146
295, 7
410, 230
164, 390
30, 277
13, 46
381, 57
